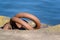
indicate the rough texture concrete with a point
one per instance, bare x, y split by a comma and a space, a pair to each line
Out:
45, 33
29, 35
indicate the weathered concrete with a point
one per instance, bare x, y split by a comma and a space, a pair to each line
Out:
45, 33
29, 35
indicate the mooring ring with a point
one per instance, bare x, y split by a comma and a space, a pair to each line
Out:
17, 19
29, 16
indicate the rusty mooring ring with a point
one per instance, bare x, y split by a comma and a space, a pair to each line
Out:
29, 16
17, 20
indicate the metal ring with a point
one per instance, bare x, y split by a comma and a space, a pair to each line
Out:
26, 15
17, 19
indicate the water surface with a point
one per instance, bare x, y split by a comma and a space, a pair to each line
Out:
48, 11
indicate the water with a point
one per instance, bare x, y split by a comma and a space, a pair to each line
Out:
48, 11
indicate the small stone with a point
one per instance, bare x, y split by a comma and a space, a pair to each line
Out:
3, 20
31, 23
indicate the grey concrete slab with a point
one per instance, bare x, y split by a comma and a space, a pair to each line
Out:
29, 35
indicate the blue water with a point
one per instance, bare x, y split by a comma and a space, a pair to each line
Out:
48, 11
